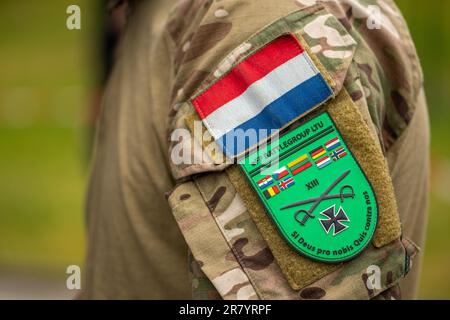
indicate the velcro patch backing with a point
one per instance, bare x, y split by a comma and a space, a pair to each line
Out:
299, 270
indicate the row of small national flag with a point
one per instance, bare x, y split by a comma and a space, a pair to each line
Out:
335, 152
321, 158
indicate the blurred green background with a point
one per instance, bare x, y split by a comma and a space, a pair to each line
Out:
47, 74
48, 78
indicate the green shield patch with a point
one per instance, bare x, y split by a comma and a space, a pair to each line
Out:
315, 191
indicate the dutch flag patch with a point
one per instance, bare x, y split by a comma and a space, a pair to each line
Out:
264, 93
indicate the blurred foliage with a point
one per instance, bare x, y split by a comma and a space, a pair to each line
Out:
46, 79
46, 75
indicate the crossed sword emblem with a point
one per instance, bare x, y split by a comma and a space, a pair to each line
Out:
324, 196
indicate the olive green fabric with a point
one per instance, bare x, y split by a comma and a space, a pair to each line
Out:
135, 249
357, 136
410, 176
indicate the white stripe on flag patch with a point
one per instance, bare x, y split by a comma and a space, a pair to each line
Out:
323, 161
332, 145
259, 95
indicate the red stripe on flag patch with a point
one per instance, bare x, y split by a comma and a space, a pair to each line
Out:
247, 72
343, 154
302, 168
317, 151
331, 141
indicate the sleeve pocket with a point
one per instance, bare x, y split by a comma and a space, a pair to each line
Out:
367, 277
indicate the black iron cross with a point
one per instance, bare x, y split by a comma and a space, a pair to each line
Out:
334, 220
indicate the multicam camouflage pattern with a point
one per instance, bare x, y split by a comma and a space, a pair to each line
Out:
378, 67
257, 275
202, 288
203, 236
351, 281
242, 235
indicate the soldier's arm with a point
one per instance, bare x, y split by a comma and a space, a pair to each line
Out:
243, 243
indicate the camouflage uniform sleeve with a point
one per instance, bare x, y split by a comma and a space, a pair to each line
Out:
365, 48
